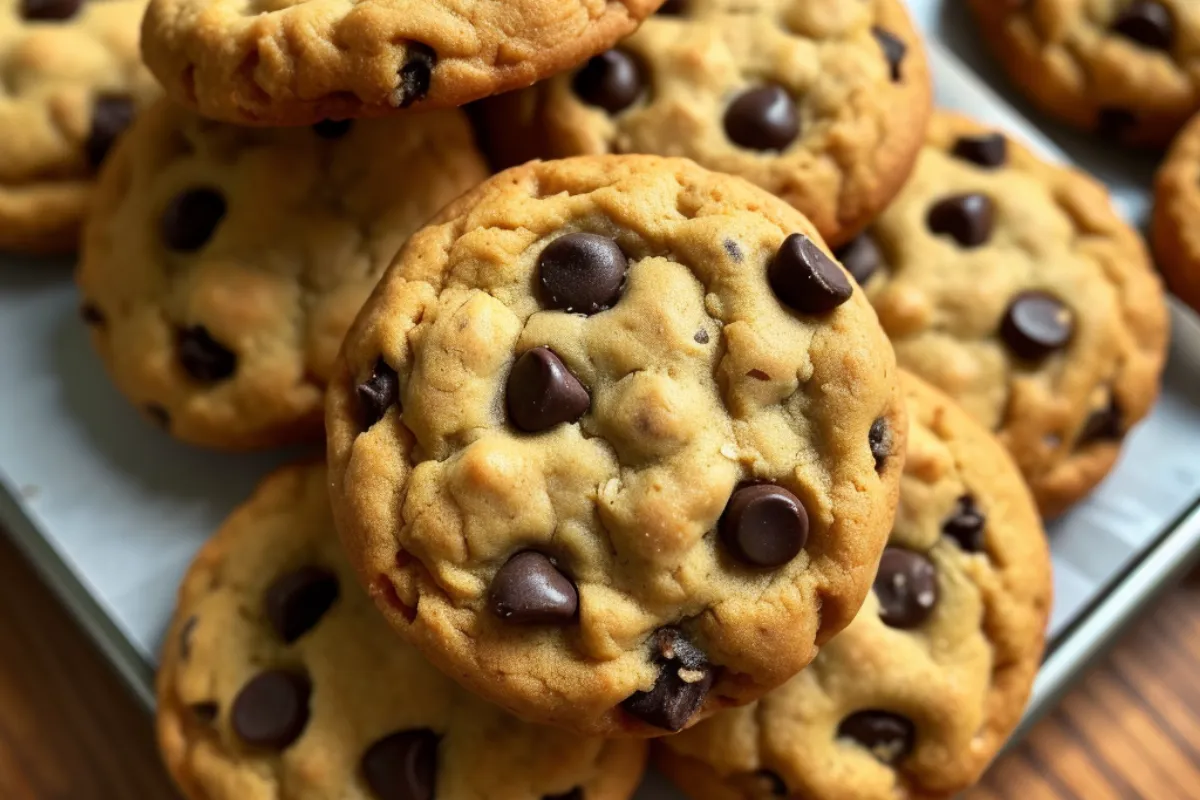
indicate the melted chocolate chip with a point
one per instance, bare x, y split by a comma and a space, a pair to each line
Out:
805, 279
889, 737
271, 710
111, 115
907, 588
673, 8
582, 273
684, 678
966, 218
764, 525
530, 590
203, 357
1102, 425
91, 314
612, 81
765, 118
772, 782
966, 525
205, 713
49, 9
295, 602
1113, 123
701, 336
402, 765
1036, 324
1148, 23
416, 76
541, 392
861, 258
989, 150
377, 394
879, 438
893, 49
191, 219
333, 128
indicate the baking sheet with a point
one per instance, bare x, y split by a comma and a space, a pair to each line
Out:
111, 509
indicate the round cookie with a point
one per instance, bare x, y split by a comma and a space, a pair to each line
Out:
296, 62
1012, 285
73, 81
280, 680
821, 102
615, 442
1127, 69
1173, 230
923, 688
223, 265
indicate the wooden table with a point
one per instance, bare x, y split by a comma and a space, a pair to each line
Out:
69, 730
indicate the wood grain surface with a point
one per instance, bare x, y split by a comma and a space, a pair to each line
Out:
70, 731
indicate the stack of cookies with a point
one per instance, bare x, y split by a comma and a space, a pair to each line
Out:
683, 377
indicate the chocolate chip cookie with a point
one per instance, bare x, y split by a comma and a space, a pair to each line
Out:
72, 81
295, 62
616, 443
1012, 285
919, 693
821, 102
1127, 69
1174, 232
223, 265
279, 679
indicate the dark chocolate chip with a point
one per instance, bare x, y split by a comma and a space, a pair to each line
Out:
402, 765
889, 737
416, 75
530, 590
111, 115
191, 219
805, 279
1147, 22
49, 9
185, 637
966, 218
203, 357
701, 336
674, 8
377, 394
684, 678
574, 794
333, 128
764, 525
772, 782
732, 249
541, 392
1113, 123
879, 437
860, 257
295, 602
1036, 324
205, 713
765, 118
611, 80
271, 710
893, 49
582, 273
1102, 425
966, 525
91, 314
989, 150
158, 415
907, 588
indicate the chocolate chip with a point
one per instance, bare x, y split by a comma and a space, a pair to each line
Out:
673, 8
893, 49
402, 765
888, 736
272, 709
805, 279
185, 637
111, 115
158, 415
966, 525
906, 586
91, 314
684, 678
701, 336
1102, 425
530, 590
377, 394
295, 602
879, 437
574, 794
191, 219
49, 9
333, 128
1147, 22
611, 80
732, 249
1036, 324
860, 257
1113, 123
416, 75
989, 150
203, 357
205, 713
764, 525
582, 273
966, 218
765, 118
772, 782
541, 392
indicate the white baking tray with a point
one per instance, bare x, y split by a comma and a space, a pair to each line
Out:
110, 509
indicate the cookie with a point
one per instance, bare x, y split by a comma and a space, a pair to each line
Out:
919, 693
1176, 208
73, 81
1124, 69
821, 102
295, 62
280, 680
1011, 284
223, 265
616, 443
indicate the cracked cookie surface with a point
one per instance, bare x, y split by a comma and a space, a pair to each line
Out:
296, 62
71, 80
821, 102
1013, 285
1127, 69
223, 265
922, 689
1174, 233
615, 442
279, 680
